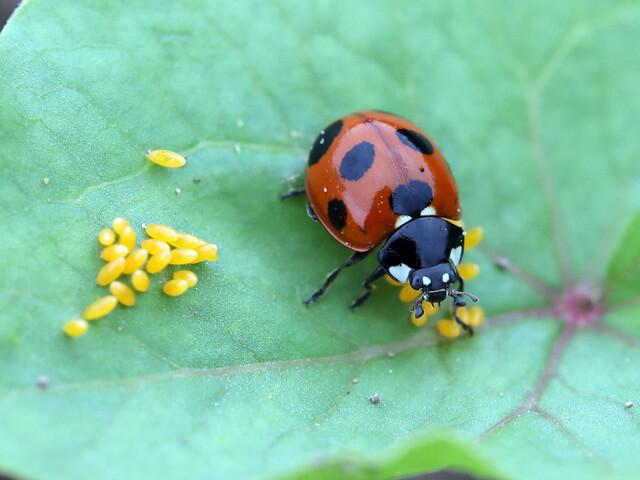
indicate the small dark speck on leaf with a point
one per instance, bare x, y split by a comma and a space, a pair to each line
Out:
375, 398
43, 381
502, 263
196, 179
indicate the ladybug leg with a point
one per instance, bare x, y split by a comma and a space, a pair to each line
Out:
377, 273
353, 259
457, 303
311, 212
294, 192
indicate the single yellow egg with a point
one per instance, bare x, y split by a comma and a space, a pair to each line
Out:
208, 251
106, 237
392, 281
430, 308
140, 280
128, 238
449, 328
419, 322
123, 293
158, 261
175, 287
468, 271
476, 316
186, 240
113, 252
187, 275
161, 232
182, 256
167, 158
154, 246
110, 271
463, 314
101, 307
76, 327
135, 260
473, 237
408, 294
119, 223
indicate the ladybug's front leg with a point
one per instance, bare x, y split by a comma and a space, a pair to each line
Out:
457, 303
294, 192
377, 273
353, 259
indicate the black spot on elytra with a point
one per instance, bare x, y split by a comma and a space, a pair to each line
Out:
323, 142
337, 213
411, 199
413, 139
357, 161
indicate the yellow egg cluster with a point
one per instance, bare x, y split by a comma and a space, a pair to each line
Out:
124, 258
467, 271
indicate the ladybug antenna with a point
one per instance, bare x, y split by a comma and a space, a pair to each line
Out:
457, 295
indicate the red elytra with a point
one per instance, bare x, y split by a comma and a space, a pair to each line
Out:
360, 161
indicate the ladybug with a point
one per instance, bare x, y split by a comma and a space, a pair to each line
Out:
374, 177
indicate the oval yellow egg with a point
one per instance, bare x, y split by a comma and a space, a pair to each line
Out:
448, 328
112, 252
135, 260
186, 240
408, 294
473, 237
106, 237
159, 261
187, 275
76, 327
123, 293
167, 158
175, 287
140, 280
128, 238
100, 308
468, 271
154, 246
110, 272
119, 223
161, 232
208, 251
182, 256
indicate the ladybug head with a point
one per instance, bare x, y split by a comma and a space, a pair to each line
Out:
435, 282
424, 253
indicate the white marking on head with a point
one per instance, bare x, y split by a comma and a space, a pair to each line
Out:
402, 219
445, 277
321, 140
400, 272
456, 255
426, 281
428, 212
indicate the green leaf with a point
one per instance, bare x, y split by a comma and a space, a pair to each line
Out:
534, 106
623, 275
